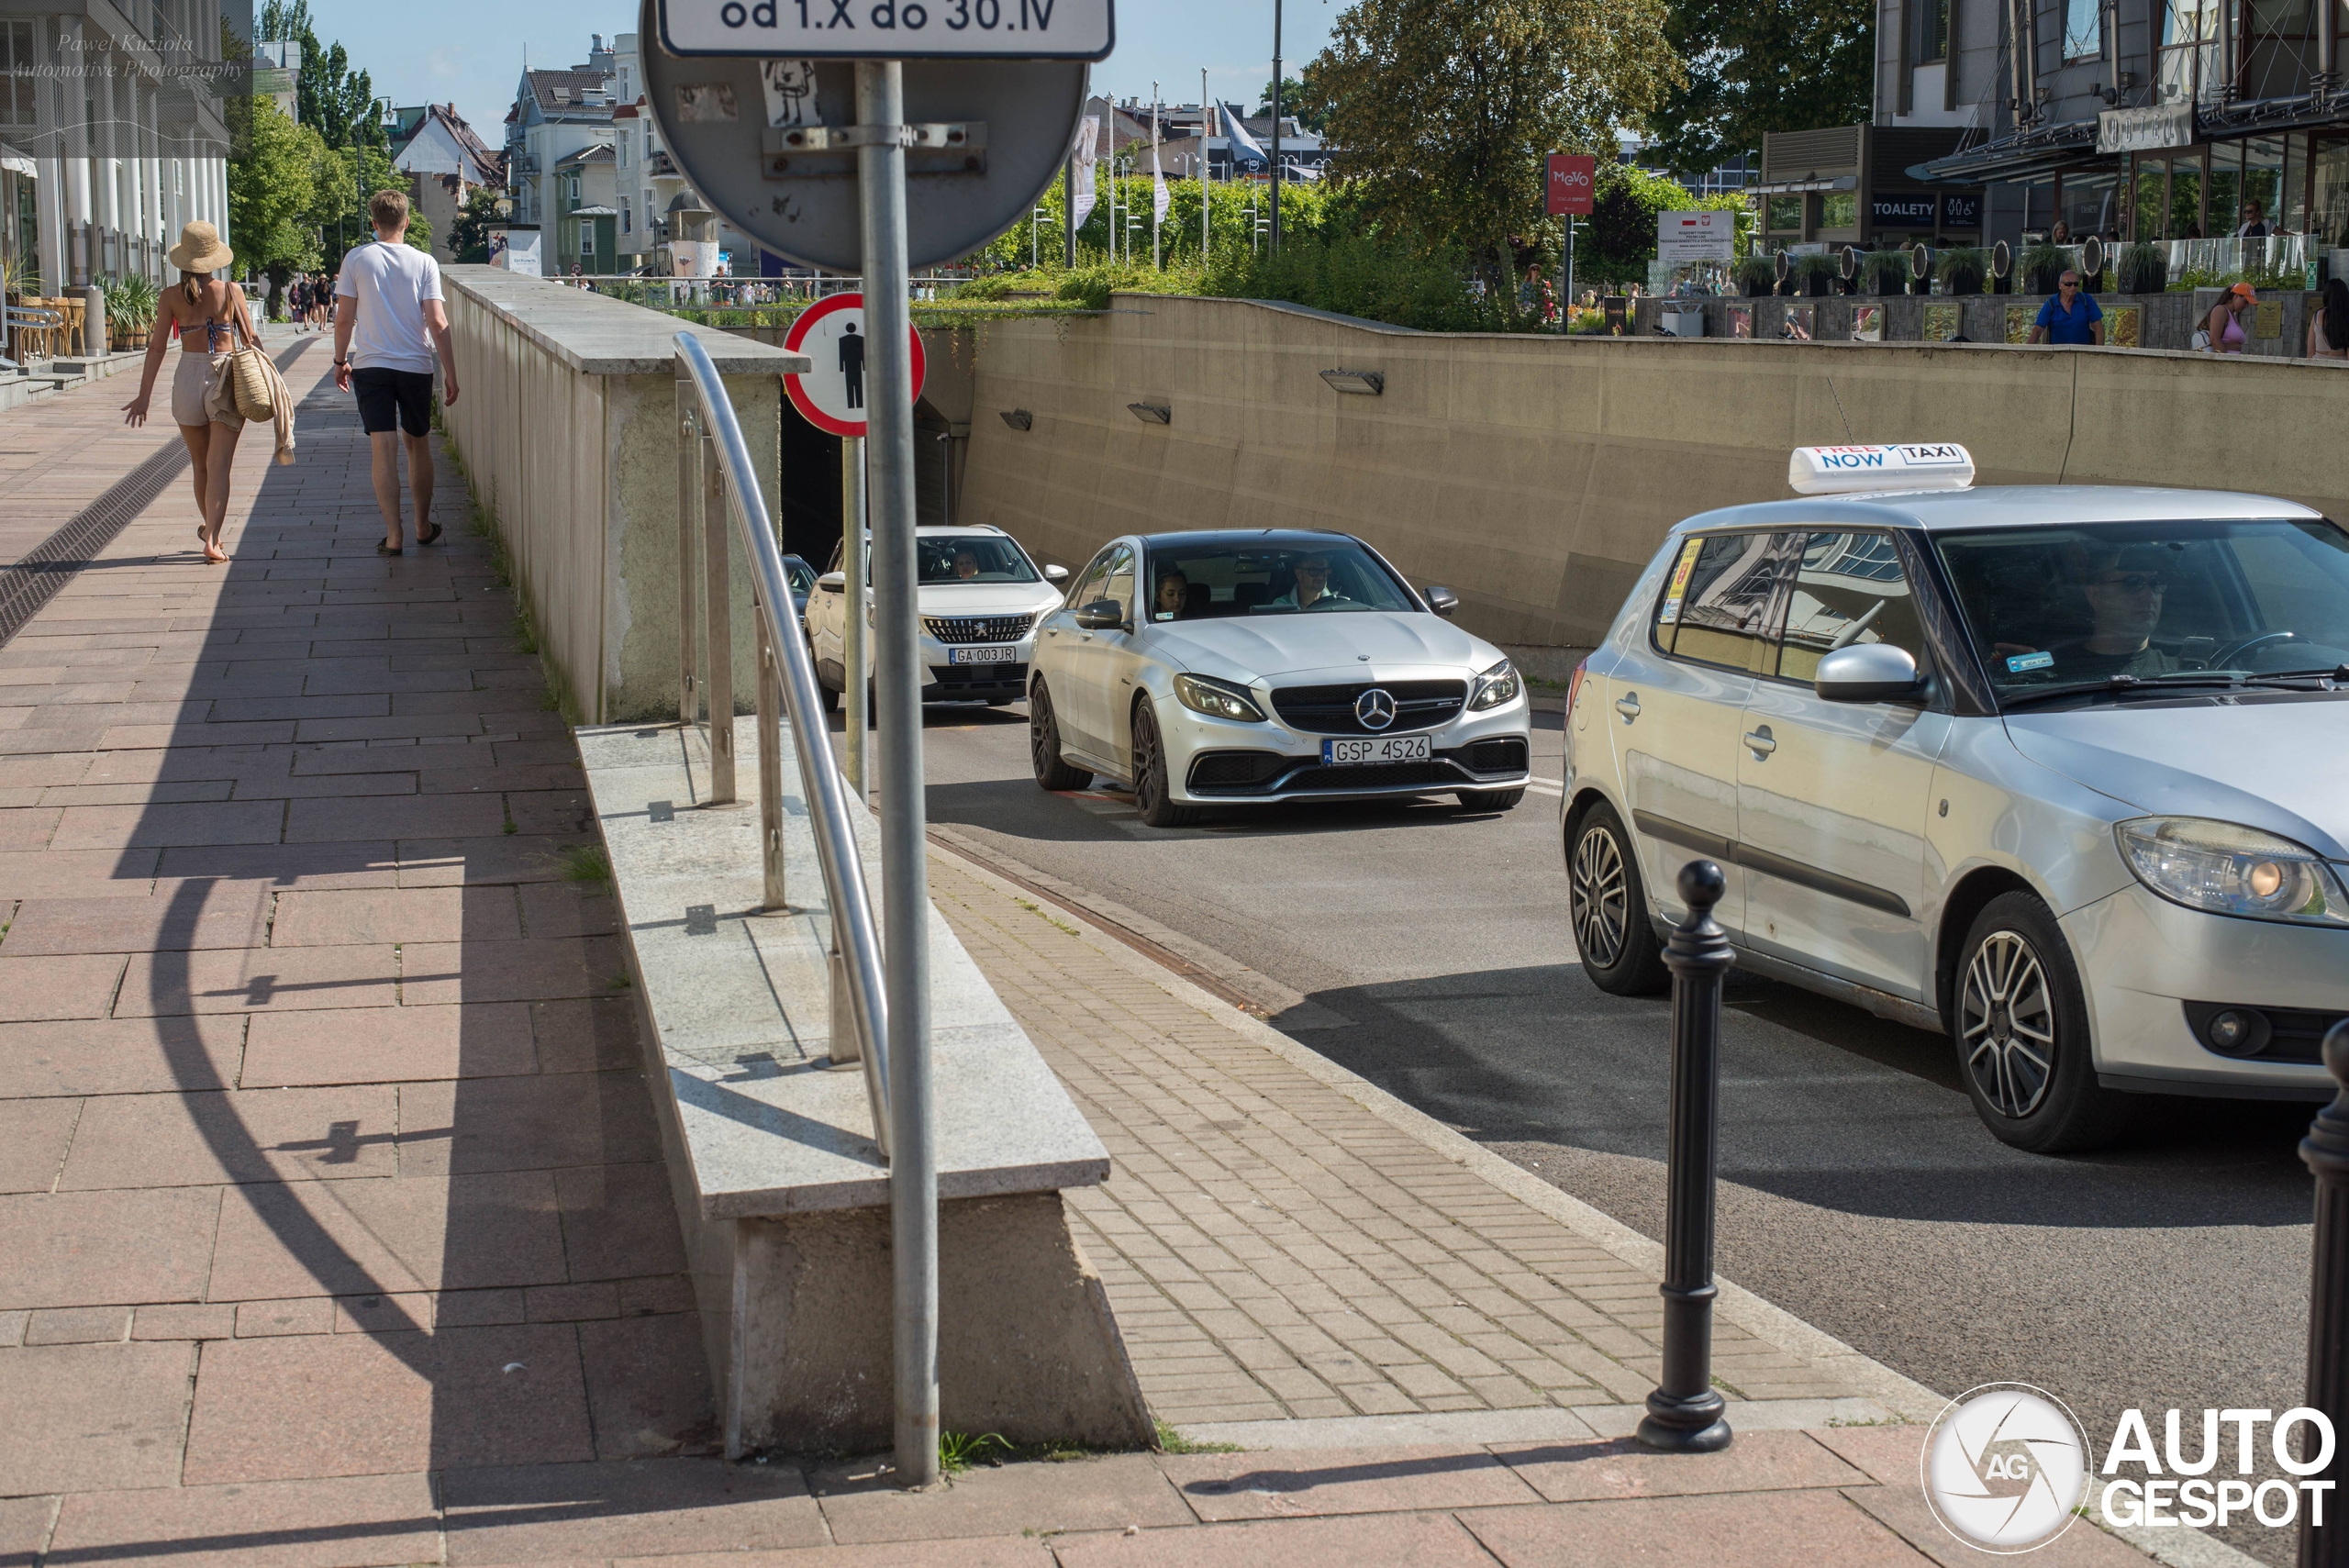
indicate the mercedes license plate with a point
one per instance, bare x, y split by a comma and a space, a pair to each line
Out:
1384, 749
981, 655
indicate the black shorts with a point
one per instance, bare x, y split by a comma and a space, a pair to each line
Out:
385, 396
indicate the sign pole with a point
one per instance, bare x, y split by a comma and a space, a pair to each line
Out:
857, 676
904, 878
1566, 294
1276, 126
1206, 192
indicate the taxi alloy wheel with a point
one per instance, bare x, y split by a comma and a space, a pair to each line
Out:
2020, 1016
1608, 909
2009, 1024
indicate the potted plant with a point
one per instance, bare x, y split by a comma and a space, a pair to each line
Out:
1757, 276
1962, 269
2144, 268
1886, 272
1815, 275
135, 300
2043, 266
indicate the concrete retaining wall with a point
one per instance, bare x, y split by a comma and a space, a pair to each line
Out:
566, 422
1536, 475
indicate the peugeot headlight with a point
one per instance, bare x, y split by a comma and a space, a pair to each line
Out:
1216, 699
1494, 686
2231, 870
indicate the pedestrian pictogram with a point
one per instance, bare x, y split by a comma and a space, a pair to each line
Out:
831, 332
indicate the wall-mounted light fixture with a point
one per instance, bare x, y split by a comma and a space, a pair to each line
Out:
1362, 384
1151, 413
1019, 418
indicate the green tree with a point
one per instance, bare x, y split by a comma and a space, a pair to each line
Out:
274, 190
1443, 110
1772, 65
469, 236
1301, 99
330, 97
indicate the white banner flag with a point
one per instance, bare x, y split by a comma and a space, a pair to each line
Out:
1088, 143
1159, 198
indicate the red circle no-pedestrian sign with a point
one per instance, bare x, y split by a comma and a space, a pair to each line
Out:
831, 332
1572, 184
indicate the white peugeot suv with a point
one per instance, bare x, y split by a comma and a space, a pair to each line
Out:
981, 598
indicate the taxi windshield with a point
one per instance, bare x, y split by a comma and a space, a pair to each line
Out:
1207, 579
2117, 603
978, 558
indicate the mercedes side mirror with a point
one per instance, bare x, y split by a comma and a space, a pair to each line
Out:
1055, 573
1441, 600
1101, 615
833, 582
1867, 672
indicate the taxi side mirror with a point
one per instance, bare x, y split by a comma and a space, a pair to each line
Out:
1867, 672
1101, 615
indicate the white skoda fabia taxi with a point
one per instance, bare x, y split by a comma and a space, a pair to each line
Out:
2057, 771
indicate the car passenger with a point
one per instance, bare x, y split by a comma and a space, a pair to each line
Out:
1311, 589
966, 565
1174, 597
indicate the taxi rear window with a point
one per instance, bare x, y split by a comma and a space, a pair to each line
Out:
1717, 602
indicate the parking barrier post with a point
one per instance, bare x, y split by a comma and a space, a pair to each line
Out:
2326, 1151
1686, 1412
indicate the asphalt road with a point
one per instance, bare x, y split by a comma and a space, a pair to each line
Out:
1433, 955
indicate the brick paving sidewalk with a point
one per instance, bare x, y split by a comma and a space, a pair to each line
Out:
1276, 1250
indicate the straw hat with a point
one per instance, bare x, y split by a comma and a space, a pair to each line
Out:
200, 249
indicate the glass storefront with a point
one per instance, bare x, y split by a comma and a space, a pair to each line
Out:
2329, 207
2263, 181
1785, 214
1839, 210
2087, 205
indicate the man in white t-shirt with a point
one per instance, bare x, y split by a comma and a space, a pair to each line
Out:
389, 324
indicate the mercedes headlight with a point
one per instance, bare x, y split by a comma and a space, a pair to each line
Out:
1216, 699
2231, 870
1494, 686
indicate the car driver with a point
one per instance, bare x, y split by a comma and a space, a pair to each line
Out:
1311, 589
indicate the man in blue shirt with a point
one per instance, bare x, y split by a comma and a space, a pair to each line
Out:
2070, 316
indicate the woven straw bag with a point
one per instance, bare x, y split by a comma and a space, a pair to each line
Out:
249, 385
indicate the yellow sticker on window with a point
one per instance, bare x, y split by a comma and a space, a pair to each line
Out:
1678, 588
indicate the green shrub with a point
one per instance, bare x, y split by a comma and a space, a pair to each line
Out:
1886, 271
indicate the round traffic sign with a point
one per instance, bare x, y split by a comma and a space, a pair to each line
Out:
771, 143
831, 332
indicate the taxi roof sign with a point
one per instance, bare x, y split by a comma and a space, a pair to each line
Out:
1843, 470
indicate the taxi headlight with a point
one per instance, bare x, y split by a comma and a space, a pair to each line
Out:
1216, 699
2231, 869
1494, 686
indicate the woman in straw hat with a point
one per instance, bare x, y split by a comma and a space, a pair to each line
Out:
210, 313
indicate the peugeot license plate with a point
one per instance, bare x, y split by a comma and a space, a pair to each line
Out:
1384, 749
981, 655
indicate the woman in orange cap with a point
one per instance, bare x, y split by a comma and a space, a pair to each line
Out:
2222, 331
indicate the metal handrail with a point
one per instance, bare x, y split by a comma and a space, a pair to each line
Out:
854, 937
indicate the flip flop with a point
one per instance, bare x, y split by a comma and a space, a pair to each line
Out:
383, 549
432, 538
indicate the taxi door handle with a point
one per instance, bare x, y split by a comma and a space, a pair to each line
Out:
1760, 742
1628, 705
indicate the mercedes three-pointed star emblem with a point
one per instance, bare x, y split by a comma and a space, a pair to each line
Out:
1375, 709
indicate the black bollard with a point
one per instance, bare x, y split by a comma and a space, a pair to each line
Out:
2326, 1151
1684, 1413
